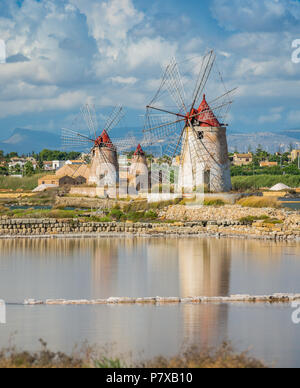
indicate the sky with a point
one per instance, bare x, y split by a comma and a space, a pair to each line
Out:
62, 54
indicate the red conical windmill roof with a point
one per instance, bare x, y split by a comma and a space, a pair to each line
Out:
106, 139
206, 115
139, 151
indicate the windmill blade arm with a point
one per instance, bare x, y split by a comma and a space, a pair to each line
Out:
203, 76
163, 125
227, 94
165, 111
78, 134
178, 144
174, 85
89, 116
115, 118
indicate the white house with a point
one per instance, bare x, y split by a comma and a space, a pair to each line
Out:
57, 164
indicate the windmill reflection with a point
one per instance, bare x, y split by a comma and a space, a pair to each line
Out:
204, 270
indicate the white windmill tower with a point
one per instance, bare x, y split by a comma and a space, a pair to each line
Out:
192, 131
139, 171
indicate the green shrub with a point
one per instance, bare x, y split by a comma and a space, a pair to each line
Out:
214, 202
116, 214
251, 219
104, 219
151, 215
107, 363
135, 216
256, 182
265, 218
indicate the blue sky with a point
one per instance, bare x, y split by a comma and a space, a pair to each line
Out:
64, 53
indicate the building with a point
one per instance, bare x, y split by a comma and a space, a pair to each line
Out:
48, 165
242, 159
57, 180
268, 164
74, 162
57, 164
138, 178
73, 171
204, 154
104, 170
15, 161
14, 164
295, 154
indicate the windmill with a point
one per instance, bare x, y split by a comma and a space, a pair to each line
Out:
138, 171
192, 129
104, 167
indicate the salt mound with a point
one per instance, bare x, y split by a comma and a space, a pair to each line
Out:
43, 187
279, 187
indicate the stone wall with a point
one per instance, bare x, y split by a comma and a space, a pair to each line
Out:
217, 228
227, 212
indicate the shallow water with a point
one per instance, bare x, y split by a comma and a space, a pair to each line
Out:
100, 268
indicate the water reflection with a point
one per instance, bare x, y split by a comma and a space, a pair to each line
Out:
100, 268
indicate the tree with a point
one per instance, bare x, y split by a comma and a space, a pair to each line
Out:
28, 169
16, 170
40, 165
73, 155
12, 155
4, 170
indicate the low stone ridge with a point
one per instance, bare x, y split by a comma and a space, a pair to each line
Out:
215, 222
274, 298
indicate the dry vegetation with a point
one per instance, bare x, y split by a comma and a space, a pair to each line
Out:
224, 357
26, 183
260, 202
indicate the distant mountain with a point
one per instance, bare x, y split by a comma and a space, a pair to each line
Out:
25, 141
295, 133
270, 141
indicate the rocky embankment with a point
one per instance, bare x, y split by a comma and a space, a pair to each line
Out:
227, 221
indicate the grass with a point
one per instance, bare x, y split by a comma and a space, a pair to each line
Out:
26, 183
243, 183
259, 202
136, 206
251, 219
214, 202
41, 213
120, 216
222, 357
207, 202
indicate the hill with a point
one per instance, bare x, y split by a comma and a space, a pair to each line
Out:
25, 141
270, 141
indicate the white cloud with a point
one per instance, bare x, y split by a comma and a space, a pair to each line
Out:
150, 51
294, 117
124, 81
109, 20
256, 15
274, 115
272, 118
109, 51
63, 101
